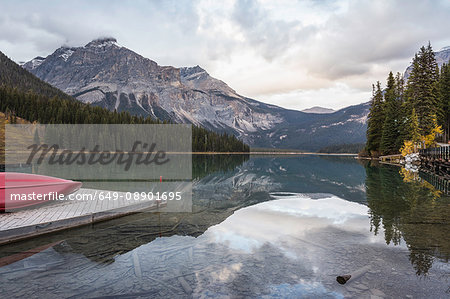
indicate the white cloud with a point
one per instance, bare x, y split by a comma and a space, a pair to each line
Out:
335, 97
290, 53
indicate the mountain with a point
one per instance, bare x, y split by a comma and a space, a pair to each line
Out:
345, 126
442, 56
105, 74
25, 96
11, 75
318, 110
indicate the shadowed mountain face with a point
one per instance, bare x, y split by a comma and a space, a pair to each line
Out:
106, 74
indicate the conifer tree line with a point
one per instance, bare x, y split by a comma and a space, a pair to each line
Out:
415, 111
26, 96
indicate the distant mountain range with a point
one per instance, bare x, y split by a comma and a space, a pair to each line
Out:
318, 110
106, 74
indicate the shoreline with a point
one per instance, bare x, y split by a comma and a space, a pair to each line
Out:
304, 153
239, 153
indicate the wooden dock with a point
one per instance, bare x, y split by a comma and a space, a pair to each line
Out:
59, 215
391, 159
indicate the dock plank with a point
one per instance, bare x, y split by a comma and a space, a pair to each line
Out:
65, 214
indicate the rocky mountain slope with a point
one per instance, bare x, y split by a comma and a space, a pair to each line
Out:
106, 74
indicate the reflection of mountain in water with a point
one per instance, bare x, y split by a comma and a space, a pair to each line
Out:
410, 211
216, 195
343, 177
203, 165
251, 206
289, 247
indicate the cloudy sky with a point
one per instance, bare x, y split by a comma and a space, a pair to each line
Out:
292, 53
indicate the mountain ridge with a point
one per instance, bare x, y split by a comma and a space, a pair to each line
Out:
27, 97
105, 74
319, 110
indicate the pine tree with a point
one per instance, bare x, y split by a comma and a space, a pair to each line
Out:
413, 126
422, 88
375, 121
390, 139
401, 113
444, 101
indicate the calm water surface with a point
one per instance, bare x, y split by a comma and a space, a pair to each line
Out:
261, 227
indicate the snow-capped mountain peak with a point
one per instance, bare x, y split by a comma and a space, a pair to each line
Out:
34, 63
66, 54
103, 42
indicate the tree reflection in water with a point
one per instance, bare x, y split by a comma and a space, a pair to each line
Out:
409, 208
204, 164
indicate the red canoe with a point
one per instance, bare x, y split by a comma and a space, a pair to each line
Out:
18, 190
4, 261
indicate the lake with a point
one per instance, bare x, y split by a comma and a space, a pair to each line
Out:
261, 226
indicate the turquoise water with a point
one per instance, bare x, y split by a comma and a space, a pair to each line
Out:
261, 227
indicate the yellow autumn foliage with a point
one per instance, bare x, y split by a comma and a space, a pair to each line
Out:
413, 177
407, 148
429, 140
408, 176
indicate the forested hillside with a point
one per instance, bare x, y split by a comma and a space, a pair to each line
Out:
343, 148
413, 113
26, 96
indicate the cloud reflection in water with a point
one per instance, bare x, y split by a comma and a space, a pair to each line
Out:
288, 218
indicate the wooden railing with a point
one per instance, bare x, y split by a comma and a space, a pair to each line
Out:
438, 182
436, 161
436, 153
